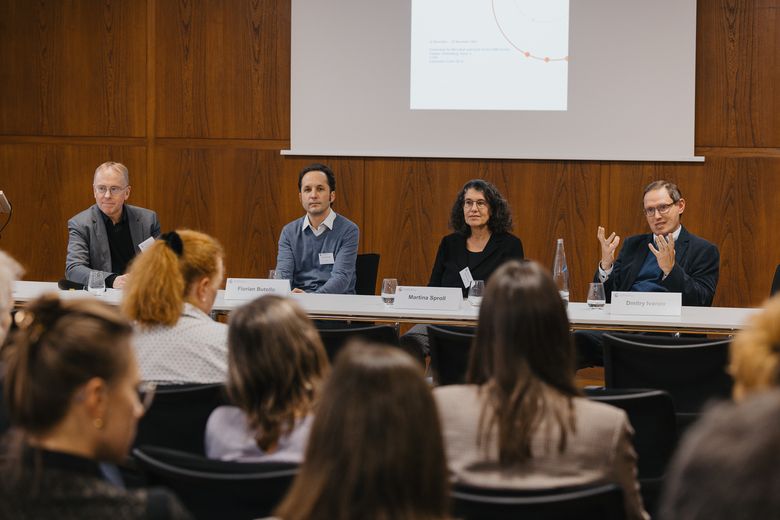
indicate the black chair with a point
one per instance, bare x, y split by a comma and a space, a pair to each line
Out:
603, 502
178, 415
450, 351
693, 373
775, 282
335, 339
215, 489
651, 413
366, 269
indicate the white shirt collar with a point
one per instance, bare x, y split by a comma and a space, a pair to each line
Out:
327, 223
675, 233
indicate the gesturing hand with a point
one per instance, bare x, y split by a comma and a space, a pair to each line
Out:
665, 253
608, 246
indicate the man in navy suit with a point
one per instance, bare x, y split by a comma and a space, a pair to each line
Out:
106, 236
668, 259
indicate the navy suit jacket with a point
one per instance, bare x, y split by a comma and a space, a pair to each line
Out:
452, 257
695, 271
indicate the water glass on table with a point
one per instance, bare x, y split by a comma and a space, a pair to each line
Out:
97, 283
596, 297
272, 274
389, 285
476, 290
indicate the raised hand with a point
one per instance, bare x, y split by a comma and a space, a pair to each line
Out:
665, 252
608, 246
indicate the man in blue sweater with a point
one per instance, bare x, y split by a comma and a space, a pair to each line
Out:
317, 252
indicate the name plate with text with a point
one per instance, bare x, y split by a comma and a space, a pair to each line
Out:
646, 303
251, 288
428, 298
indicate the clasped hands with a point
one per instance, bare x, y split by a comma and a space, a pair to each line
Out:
664, 250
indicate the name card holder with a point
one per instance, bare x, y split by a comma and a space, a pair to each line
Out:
646, 303
428, 298
251, 288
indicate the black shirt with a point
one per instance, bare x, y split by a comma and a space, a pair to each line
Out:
120, 244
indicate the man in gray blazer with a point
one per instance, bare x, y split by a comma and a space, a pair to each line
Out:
107, 236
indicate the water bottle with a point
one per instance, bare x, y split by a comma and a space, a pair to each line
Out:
561, 272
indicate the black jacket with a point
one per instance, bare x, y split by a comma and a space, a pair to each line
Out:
695, 272
452, 258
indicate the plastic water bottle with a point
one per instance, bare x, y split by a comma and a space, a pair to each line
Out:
561, 272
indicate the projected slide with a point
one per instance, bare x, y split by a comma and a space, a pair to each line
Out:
489, 55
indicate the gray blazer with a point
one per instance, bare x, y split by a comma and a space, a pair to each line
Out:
88, 243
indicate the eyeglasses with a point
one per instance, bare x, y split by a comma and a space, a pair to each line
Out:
146, 393
662, 209
481, 204
115, 190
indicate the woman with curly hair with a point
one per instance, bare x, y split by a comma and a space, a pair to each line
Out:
276, 364
481, 221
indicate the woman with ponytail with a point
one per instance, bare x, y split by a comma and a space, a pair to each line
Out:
71, 388
169, 296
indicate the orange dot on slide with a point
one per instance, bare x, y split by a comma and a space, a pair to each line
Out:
527, 54
546, 59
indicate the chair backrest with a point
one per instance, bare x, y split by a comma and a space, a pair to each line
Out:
178, 415
691, 373
775, 282
366, 269
651, 413
604, 502
214, 489
335, 339
450, 351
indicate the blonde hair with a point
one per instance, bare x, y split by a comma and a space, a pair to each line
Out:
755, 352
161, 277
10, 271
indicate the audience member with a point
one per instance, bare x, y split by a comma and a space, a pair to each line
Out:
375, 449
107, 236
521, 423
169, 296
726, 466
71, 391
317, 252
755, 353
10, 271
276, 363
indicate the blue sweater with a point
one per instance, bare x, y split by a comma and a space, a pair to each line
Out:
298, 259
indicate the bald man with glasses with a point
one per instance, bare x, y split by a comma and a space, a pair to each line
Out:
668, 259
107, 236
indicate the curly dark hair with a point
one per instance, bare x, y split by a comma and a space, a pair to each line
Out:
500, 215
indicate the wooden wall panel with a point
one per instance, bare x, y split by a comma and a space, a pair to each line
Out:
47, 185
242, 197
223, 68
73, 68
737, 73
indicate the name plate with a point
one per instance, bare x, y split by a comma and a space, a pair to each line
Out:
428, 298
251, 288
646, 303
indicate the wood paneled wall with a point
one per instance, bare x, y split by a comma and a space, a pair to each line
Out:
194, 95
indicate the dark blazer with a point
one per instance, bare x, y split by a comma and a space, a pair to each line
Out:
88, 242
695, 272
452, 258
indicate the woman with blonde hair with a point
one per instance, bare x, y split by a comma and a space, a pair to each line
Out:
276, 364
71, 388
521, 423
169, 295
755, 353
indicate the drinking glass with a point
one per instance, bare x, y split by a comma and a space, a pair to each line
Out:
476, 290
97, 283
389, 285
596, 297
272, 274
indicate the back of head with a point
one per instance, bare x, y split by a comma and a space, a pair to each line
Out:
161, 276
375, 449
276, 363
726, 467
755, 352
59, 346
522, 350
